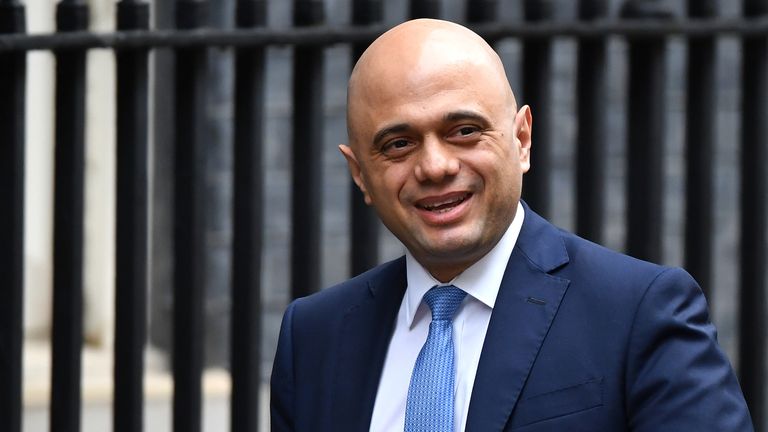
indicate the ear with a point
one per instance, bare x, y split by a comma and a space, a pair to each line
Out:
354, 171
523, 128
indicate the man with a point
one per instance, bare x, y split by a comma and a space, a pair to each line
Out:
494, 320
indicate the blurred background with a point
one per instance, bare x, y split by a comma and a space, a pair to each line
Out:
615, 160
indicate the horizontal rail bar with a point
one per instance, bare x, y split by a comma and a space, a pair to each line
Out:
327, 35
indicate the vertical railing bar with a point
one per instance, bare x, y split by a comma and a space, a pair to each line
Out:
645, 134
131, 252
69, 155
189, 256
700, 147
482, 11
424, 9
248, 218
591, 89
364, 239
754, 217
307, 202
536, 76
12, 154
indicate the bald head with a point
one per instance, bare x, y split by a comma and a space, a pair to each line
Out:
419, 56
437, 144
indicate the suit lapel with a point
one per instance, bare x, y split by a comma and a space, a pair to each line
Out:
365, 333
528, 300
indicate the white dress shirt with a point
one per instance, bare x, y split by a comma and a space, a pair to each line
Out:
481, 281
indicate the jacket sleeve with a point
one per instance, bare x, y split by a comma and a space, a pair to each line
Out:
678, 378
282, 391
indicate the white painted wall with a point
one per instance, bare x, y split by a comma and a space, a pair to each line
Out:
38, 230
99, 273
99, 228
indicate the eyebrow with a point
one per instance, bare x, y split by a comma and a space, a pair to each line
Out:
392, 129
465, 115
452, 116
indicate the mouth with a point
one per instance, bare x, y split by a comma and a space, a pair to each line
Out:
443, 204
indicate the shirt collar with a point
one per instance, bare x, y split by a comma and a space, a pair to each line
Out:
481, 280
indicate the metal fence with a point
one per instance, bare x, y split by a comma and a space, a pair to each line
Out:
645, 25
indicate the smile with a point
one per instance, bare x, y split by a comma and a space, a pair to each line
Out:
443, 204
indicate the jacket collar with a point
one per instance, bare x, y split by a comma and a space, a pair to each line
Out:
365, 332
527, 302
529, 298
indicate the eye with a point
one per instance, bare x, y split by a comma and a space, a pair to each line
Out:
465, 131
396, 146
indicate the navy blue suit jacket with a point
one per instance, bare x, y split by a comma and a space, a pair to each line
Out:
580, 339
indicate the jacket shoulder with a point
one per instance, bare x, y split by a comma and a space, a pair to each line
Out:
347, 294
588, 258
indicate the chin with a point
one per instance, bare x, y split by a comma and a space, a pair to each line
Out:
455, 250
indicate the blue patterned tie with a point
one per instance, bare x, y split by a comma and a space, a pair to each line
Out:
430, 395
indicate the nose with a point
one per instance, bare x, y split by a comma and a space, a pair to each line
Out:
436, 161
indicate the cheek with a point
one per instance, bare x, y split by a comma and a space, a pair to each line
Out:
387, 184
500, 177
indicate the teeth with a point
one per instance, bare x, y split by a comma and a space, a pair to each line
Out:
444, 205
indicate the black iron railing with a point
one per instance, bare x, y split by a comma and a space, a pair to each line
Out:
645, 24
132, 222
12, 157
754, 214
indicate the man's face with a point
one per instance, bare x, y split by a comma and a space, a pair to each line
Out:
439, 151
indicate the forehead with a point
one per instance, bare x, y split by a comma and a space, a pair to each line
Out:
429, 91
425, 68
399, 64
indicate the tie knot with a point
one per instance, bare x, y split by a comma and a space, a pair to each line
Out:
443, 301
